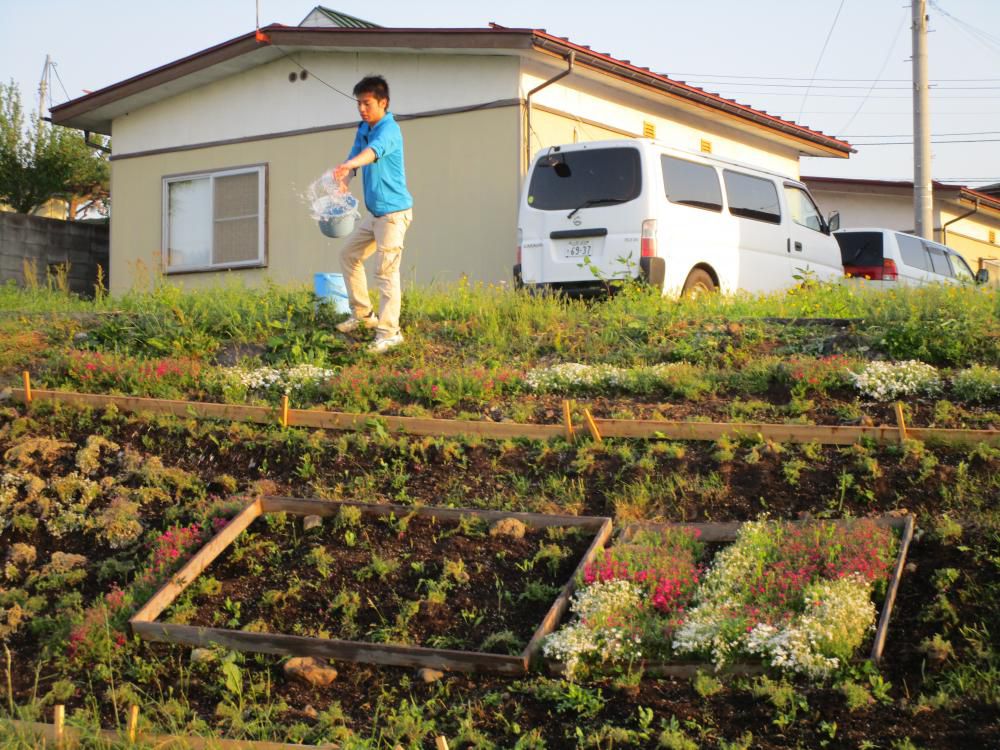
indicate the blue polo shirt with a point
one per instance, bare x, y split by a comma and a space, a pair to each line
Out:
385, 178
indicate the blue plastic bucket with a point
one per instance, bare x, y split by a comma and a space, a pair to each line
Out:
330, 287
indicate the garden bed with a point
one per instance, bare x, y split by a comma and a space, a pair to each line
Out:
675, 578
471, 589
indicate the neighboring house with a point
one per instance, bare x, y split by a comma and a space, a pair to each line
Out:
212, 153
965, 220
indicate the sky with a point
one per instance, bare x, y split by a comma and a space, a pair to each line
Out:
839, 66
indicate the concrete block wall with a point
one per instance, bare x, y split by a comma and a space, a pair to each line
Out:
50, 242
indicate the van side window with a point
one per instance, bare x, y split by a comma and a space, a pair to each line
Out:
802, 208
961, 268
752, 197
912, 251
691, 184
939, 260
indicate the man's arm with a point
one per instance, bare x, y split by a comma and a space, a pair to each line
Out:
343, 172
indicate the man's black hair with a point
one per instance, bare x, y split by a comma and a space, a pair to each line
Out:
374, 85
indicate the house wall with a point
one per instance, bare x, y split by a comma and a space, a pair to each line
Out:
41, 243
970, 236
461, 170
464, 169
262, 101
596, 103
867, 208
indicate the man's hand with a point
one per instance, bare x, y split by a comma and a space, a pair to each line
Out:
342, 174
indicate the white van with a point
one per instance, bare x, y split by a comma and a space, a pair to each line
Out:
634, 208
893, 258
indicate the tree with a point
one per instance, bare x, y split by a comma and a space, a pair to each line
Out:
39, 161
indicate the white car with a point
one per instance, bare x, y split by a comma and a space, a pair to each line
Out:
684, 222
895, 258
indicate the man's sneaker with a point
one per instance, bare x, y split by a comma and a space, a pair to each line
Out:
353, 324
383, 344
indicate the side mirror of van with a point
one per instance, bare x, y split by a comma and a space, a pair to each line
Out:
982, 276
833, 222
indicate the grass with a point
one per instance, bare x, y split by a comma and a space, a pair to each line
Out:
941, 682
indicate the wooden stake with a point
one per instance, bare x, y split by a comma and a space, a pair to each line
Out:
900, 421
441, 743
568, 421
592, 426
284, 410
59, 720
133, 722
27, 387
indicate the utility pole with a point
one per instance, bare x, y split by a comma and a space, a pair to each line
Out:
43, 88
923, 195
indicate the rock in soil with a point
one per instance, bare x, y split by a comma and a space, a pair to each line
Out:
311, 671
311, 522
429, 675
508, 527
202, 656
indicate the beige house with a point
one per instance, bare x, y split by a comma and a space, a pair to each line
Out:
212, 153
965, 220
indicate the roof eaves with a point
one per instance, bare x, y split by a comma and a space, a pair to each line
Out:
624, 68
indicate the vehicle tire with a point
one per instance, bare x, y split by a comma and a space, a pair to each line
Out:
698, 282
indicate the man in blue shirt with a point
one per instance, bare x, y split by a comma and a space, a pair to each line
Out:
378, 151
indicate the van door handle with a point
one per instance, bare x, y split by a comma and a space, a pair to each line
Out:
798, 247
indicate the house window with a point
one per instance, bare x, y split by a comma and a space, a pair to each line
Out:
214, 220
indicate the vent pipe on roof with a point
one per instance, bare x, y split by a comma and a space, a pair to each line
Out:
527, 105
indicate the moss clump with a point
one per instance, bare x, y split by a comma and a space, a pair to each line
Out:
118, 525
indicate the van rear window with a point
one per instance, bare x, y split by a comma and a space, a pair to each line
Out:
691, 184
860, 248
565, 180
752, 197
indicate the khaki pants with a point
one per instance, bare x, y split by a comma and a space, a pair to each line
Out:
383, 234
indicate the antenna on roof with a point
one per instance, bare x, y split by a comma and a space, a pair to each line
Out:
262, 37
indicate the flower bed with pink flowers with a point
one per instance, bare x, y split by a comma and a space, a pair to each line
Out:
799, 597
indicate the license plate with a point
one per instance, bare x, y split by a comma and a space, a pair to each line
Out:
579, 249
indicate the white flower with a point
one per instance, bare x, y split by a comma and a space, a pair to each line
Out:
600, 632
883, 381
286, 381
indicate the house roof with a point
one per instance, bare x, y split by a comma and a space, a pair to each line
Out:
954, 192
341, 20
96, 110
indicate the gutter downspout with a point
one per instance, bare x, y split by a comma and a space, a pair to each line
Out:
944, 227
527, 104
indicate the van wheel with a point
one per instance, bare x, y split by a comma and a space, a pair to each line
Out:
698, 282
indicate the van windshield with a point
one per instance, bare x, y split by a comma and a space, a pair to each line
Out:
567, 180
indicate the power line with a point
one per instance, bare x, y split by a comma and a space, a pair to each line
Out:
702, 76
881, 70
859, 86
936, 143
906, 135
988, 40
820, 59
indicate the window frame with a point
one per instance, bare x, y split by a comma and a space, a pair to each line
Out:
808, 196
714, 208
261, 261
743, 213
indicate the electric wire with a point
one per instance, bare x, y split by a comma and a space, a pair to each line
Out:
881, 70
821, 53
